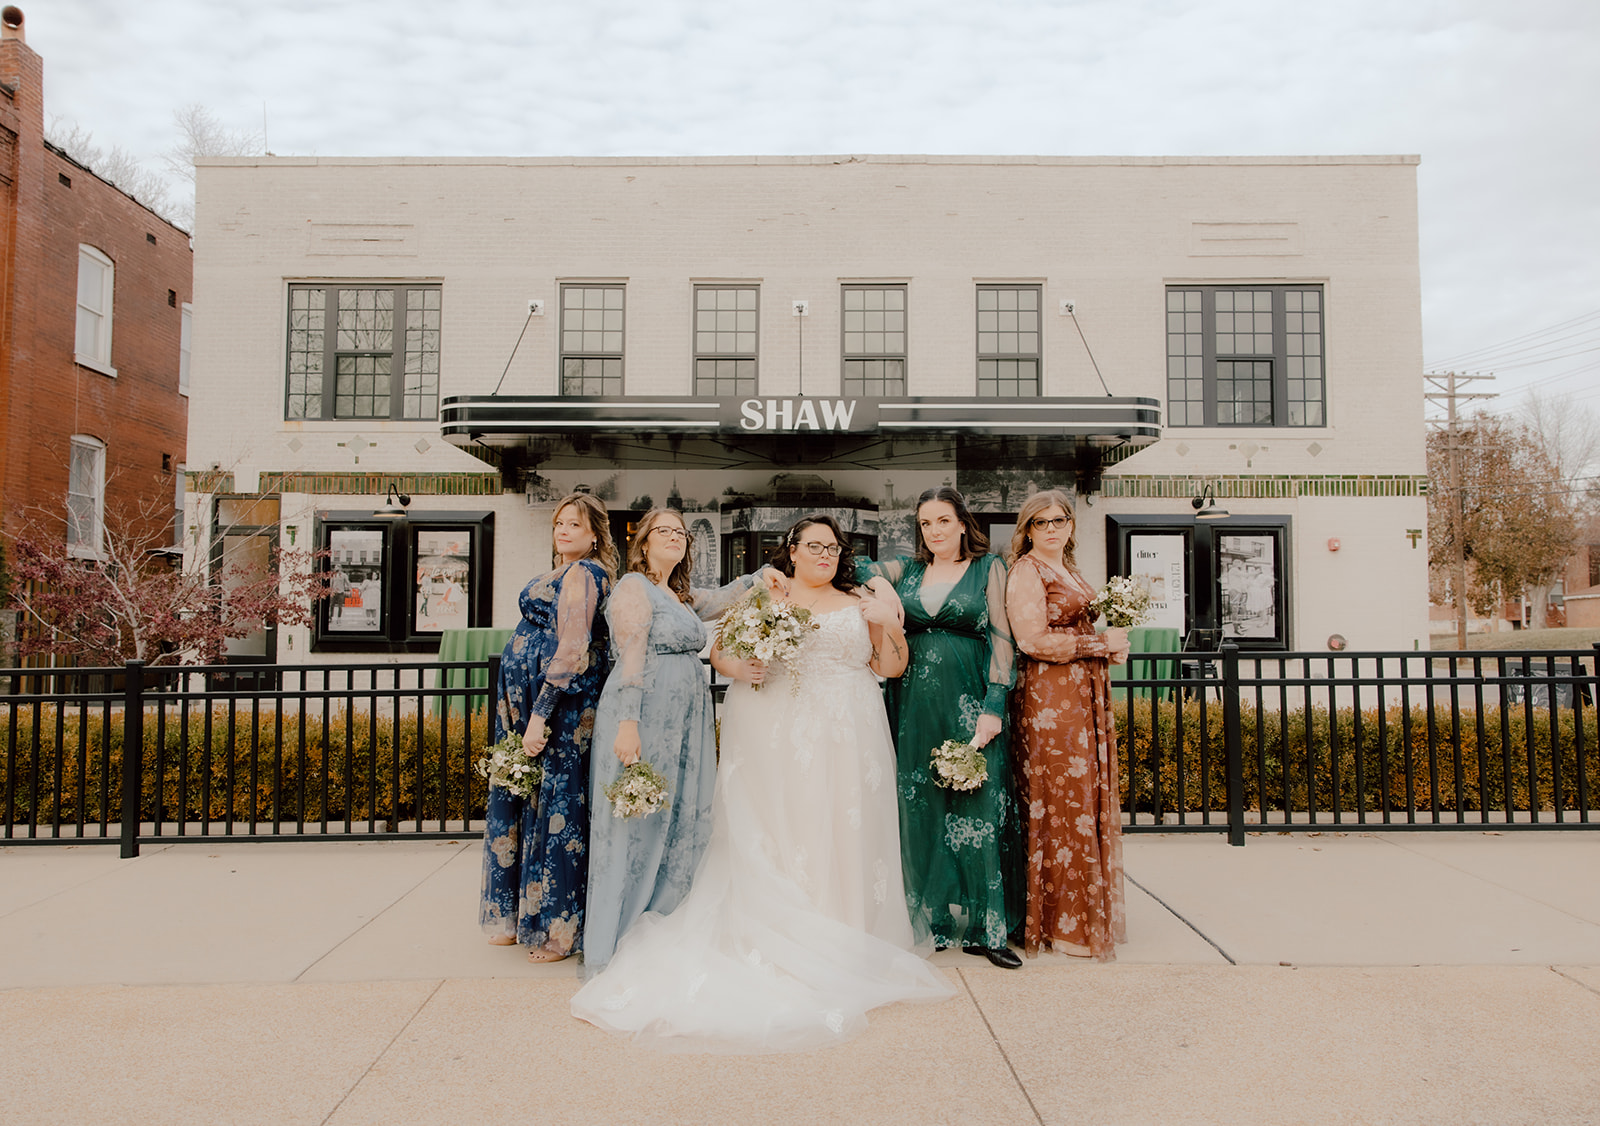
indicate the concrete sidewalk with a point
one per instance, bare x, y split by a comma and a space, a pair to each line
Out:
1337, 978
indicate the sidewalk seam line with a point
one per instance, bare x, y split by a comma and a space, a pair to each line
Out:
296, 980
1492, 883
1559, 972
73, 887
999, 1047
1176, 915
401, 1031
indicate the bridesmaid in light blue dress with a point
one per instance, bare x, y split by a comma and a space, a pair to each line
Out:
656, 705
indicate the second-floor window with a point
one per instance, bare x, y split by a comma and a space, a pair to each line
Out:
591, 339
725, 319
1245, 355
1008, 341
363, 351
86, 497
96, 283
184, 331
874, 322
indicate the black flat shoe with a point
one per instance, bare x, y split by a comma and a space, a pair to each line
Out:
998, 956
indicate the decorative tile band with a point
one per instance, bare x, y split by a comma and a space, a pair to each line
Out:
1276, 487
377, 484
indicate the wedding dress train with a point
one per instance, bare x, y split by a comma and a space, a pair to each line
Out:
796, 922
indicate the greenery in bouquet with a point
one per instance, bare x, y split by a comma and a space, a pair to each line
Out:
761, 629
959, 766
508, 765
1123, 602
639, 791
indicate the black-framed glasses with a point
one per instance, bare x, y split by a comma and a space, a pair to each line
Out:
670, 533
832, 550
1054, 523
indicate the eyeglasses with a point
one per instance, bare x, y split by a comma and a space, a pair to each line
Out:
1054, 523
670, 533
831, 550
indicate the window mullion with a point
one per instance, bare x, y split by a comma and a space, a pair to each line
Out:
1280, 357
1208, 353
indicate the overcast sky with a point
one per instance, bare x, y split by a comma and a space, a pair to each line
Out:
1501, 101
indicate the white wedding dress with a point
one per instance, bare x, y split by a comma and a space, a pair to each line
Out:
796, 923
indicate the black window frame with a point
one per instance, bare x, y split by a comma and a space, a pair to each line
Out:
608, 385
403, 335
717, 385
1288, 360
862, 387
989, 387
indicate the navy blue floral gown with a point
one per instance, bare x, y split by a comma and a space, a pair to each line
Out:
535, 853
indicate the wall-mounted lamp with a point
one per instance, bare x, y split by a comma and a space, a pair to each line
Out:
1205, 506
391, 510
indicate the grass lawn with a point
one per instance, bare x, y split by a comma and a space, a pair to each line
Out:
1522, 639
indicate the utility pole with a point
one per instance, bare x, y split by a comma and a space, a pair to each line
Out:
1446, 391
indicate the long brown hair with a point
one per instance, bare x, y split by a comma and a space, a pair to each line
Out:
593, 511
973, 544
678, 581
844, 576
1022, 541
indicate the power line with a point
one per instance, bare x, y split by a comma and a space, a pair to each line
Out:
1476, 356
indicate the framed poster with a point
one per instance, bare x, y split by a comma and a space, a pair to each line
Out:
358, 558
441, 596
399, 583
1248, 582
1157, 562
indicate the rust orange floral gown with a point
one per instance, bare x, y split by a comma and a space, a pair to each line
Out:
1066, 758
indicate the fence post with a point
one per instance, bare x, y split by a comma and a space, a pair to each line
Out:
1232, 742
132, 754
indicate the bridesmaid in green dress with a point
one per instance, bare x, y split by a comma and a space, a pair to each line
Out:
961, 850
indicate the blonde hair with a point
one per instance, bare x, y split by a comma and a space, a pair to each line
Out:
1022, 541
593, 511
638, 560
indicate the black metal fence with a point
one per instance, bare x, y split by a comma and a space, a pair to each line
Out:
1222, 742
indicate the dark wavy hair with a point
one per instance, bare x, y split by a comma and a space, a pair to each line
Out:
593, 510
973, 545
844, 577
678, 581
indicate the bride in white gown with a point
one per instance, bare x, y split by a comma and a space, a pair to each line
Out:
796, 922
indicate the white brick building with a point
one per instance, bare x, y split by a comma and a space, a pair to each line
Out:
1255, 323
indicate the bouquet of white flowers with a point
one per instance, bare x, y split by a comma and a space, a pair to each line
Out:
959, 766
508, 765
1122, 603
639, 791
757, 628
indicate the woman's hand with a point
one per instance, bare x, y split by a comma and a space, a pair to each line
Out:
776, 582
988, 727
536, 736
627, 746
751, 671
885, 590
879, 610
1116, 639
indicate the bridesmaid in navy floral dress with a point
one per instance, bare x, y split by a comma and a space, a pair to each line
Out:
535, 858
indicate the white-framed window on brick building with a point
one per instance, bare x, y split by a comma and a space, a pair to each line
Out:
874, 327
1245, 355
591, 339
86, 497
96, 287
363, 350
1008, 341
725, 327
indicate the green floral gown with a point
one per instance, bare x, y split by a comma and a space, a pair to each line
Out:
961, 850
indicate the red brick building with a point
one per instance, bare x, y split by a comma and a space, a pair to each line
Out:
94, 303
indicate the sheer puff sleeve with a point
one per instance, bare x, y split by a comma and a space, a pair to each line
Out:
710, 603
1002, 654
892, 570
575, 610
1029, 616
630, 613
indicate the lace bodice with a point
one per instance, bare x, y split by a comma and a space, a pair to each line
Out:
839, 647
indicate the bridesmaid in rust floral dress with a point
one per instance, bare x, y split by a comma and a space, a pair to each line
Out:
1066, 740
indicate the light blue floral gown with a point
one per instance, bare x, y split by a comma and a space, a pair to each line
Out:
535, 858
640, 864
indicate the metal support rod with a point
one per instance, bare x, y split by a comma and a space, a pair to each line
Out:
1233, 742
132, 755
